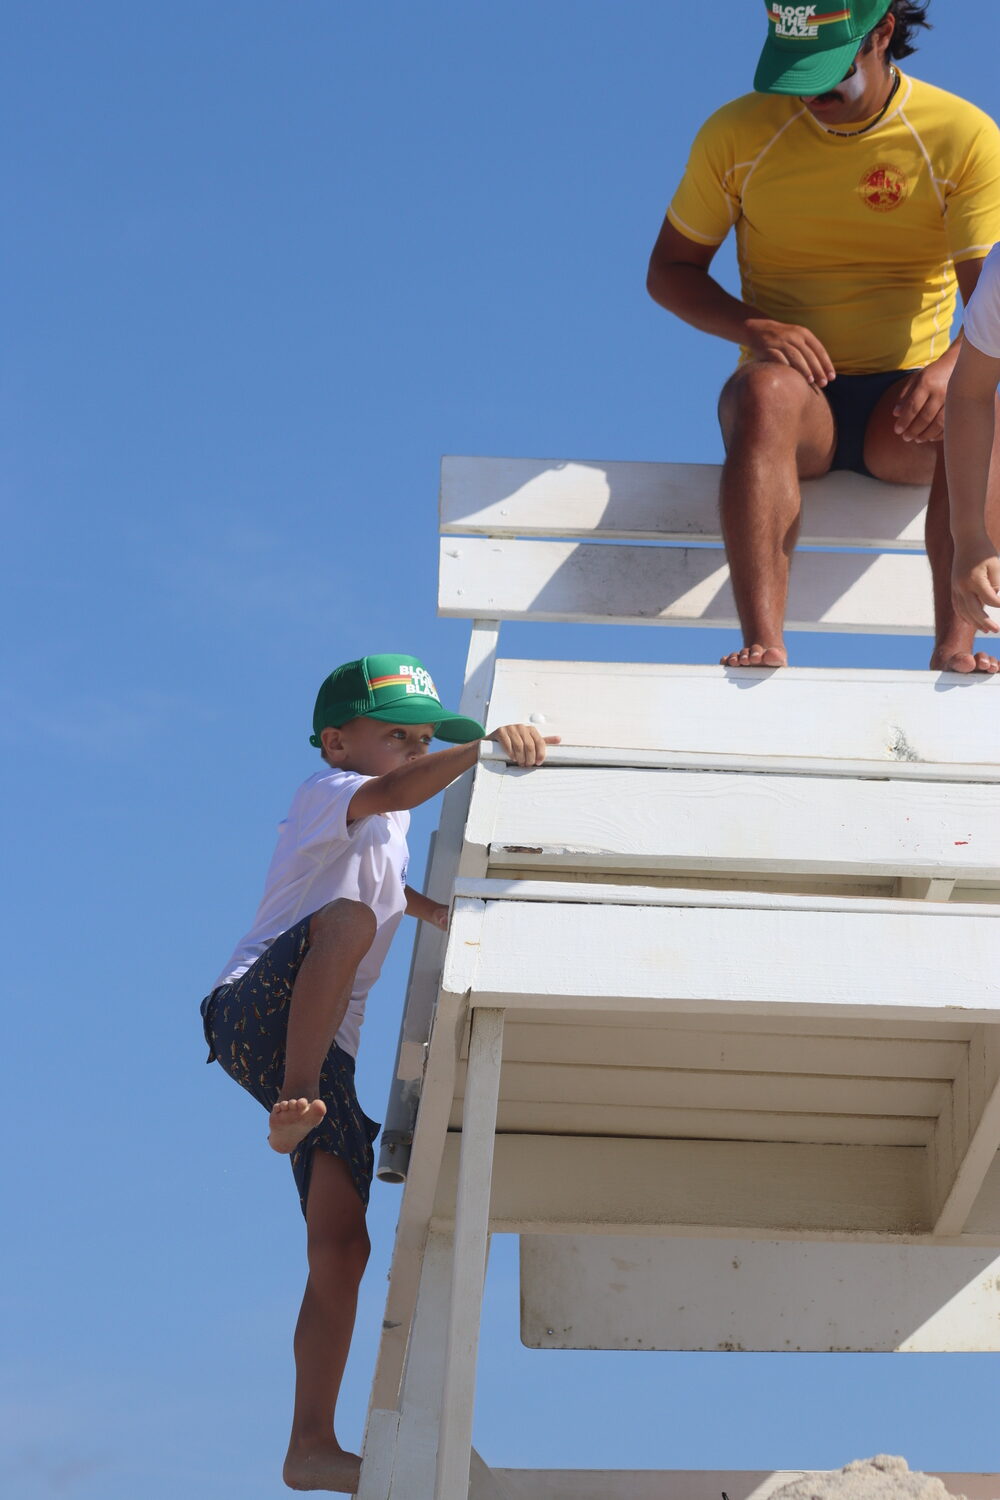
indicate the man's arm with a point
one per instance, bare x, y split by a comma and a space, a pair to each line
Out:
409, 786
919, 412
678, 280
968, 446
425, 910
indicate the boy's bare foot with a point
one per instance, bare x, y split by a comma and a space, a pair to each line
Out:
756, 656
291, 1120
322, 1466
964, 661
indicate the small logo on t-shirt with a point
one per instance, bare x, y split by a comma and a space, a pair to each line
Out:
402, 873
883, 187
800, 22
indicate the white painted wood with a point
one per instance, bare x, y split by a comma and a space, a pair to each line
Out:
487, 786
469, 1271
378, 1455
599, 818
968, 1134
423, 1386
632, 585
692, 1484
676, 1088
984, 1219
573, 1185
596, 893
657, 501
736, 1049
694, 957
623, 1120
782, 1025
891, 719
600, 1292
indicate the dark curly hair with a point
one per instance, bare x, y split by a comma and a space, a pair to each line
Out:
909, 16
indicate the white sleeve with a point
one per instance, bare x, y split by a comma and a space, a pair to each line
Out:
322, 811
982, 316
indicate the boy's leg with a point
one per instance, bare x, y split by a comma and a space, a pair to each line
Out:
338, 1252
340, 935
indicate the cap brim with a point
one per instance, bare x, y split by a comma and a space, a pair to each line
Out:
783, 71
454, 728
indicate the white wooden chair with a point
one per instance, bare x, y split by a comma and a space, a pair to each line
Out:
720, 1003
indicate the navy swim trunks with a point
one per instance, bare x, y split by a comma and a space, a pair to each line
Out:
245, 1024
852, 400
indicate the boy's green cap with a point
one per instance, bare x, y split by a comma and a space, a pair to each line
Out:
809, 48
392, 687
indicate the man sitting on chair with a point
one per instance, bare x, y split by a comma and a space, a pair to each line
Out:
862, 200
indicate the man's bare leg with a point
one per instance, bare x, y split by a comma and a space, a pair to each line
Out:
778, 429
340, 935
891, 459
338, 1253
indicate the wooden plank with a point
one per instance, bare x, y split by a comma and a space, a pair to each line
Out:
659, 502
602, 818
419, 1416
693, 1484
469, 1273
576, 1185
596, 893
968, 1133
892, 720
602, 1292
693, 957
516, 1118
732, 1050
794, 1026
673, 1088
623, 584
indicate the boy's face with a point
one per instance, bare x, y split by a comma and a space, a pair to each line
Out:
373, 747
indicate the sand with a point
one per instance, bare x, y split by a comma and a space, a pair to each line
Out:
880, 1478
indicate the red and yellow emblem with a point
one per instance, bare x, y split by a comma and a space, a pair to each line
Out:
883, 187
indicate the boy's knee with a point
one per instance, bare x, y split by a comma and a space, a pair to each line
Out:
344, 918
334, 1252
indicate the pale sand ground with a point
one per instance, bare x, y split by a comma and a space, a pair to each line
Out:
878, 1478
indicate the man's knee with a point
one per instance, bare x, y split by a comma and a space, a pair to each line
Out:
344, 920
763, 395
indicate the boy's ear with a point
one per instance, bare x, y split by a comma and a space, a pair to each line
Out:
332, 741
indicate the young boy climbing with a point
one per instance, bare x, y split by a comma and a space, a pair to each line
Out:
285, 1015
970, 443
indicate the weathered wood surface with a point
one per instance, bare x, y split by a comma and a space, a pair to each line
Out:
659, 502
892, 720
599, 818
593, 956
602, 1292
570, 1185
626, 584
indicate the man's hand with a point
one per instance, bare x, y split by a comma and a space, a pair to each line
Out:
789, 344
975, 583
522, 743
919, 412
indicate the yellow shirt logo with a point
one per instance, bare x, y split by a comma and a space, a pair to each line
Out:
883, 187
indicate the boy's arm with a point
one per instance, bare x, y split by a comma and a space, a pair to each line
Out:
968, 445
425, 910
409, 786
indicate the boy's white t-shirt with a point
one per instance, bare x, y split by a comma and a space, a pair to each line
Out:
318, 858
981, 320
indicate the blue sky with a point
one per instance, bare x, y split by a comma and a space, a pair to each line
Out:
265, 263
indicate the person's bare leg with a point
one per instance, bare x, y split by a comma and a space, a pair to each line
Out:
338, 1253
778, 429
340, 935
896, 462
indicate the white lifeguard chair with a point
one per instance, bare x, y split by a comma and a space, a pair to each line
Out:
717, 1027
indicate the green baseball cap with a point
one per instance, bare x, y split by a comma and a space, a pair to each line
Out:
809, 48
392, 687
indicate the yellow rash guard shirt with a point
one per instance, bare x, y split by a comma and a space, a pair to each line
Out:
855, 238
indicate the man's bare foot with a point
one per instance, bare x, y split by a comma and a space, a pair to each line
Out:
322, 1466
756, 656
947, 660
291, 1120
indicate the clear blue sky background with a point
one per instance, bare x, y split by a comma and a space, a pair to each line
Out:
265, 263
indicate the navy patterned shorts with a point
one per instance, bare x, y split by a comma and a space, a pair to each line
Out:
245, 1024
